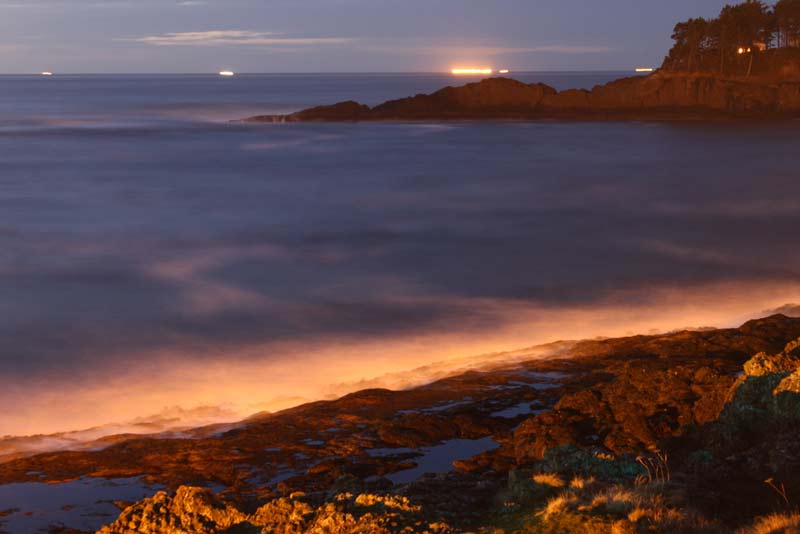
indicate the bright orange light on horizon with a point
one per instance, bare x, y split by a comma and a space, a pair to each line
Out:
473, 71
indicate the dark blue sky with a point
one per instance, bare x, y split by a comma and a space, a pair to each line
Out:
336, 35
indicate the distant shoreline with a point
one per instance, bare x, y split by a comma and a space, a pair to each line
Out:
659, 97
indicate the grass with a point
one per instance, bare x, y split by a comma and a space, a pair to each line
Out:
589, 506
775, 524
549, 479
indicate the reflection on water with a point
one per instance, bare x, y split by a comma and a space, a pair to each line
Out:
150, 258
440, 458
85, 504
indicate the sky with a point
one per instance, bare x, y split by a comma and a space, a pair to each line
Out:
183, 36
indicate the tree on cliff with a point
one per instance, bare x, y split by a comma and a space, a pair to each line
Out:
730, 42
741, 27
787, 19
690, 42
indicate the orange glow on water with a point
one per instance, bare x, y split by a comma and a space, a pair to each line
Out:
251, 378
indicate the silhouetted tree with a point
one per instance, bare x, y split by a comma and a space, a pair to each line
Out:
740, 33
690, 38
742, 27
787, 19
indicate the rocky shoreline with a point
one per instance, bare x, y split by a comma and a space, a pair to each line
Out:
665, 433
660, 96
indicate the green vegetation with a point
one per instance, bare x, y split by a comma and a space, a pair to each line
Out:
731, 43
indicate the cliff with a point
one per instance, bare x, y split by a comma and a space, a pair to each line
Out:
663, 95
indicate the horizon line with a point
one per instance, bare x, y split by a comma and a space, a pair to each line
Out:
306, 73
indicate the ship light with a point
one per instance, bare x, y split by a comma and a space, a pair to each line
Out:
471, 71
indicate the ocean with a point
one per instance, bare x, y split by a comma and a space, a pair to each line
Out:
158, 258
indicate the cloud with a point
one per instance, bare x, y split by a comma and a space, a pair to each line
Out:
488, 50
254, 38
791, 310
235, 37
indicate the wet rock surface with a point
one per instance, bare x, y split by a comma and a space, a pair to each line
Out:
663, 95
720, 405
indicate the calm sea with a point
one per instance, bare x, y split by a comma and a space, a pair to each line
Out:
154, 254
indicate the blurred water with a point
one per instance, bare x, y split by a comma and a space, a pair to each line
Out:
145, 99
134, 217
85, 504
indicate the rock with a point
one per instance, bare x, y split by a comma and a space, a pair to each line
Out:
646, 401
193, 510
792, 349
196, 511
417, 430
763, 365
282, 516
787, 399
341, 112
570, 101
497, 97
763, 401
537, 435
659, 96
790, 384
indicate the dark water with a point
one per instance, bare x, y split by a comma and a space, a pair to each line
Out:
133, 218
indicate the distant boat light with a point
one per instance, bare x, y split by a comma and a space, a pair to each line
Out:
226, 73
504, 71
47, 73
645, 69
471, 71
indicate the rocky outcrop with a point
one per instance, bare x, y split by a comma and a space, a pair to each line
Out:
343, 111
192, 510
651, 400
196, 511
663, 95
495, 96
592, 410
645, 402
718, 438
766, 395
